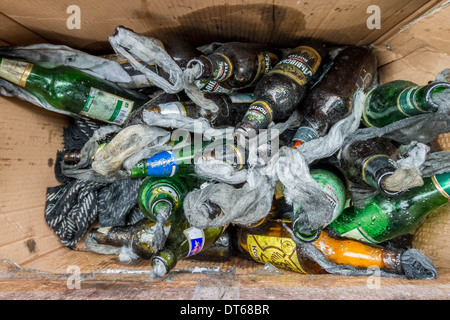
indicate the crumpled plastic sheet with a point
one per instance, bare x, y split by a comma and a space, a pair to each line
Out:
132, 45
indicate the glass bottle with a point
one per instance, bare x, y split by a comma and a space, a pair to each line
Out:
181, 161
384, 218
329, 100
282, 89
231, 108
271, 242
399, 99
235, 65
183, 241
332, 182
67, 88
163, 196
370, 162
138, 237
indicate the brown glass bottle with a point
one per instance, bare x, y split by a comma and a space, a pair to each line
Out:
232, 107
235, 65
369, 162
330, 99
271, 242
282, 90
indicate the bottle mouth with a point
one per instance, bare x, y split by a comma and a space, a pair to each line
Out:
162, 206
305, 237
385, 191
430, 92
194, 63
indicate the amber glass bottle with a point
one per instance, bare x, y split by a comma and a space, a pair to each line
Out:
232, 107
235, 65
282, 90
271, 242
330, 99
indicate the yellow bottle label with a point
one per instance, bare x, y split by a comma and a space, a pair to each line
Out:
281, 252
14, 71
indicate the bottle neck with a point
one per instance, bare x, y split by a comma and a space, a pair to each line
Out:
158, 199
302, 135
24, 74
417, 100
358, 254
375, 169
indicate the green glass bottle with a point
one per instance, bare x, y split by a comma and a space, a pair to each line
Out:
67, 88
384, 218
181, 161
183, 241
399, 99
332, 182
162, 195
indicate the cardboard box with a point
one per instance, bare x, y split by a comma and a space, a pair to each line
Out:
411, 40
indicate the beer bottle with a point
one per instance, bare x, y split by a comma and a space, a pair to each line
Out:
163, 196
231, 107
399, 99
332, 182
370, 162
330, 99
271, 242
183, 241
109, 240
181, 161
282, 89
235, 65
384, 218
67, 88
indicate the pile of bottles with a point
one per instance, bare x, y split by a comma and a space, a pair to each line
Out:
255, 85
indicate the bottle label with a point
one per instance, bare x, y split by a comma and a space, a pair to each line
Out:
264, 65
196, 240
242, 97
281, 252
372, 224
442, 183
374, 163
107, 107
162, 164
172, 108
211, 86
305, 134
300, 65
406, 102
223, 69
15, 71
333, 188
259, 114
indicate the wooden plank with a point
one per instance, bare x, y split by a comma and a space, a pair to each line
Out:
186, 285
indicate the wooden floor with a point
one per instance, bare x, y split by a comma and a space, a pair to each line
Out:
105, 278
